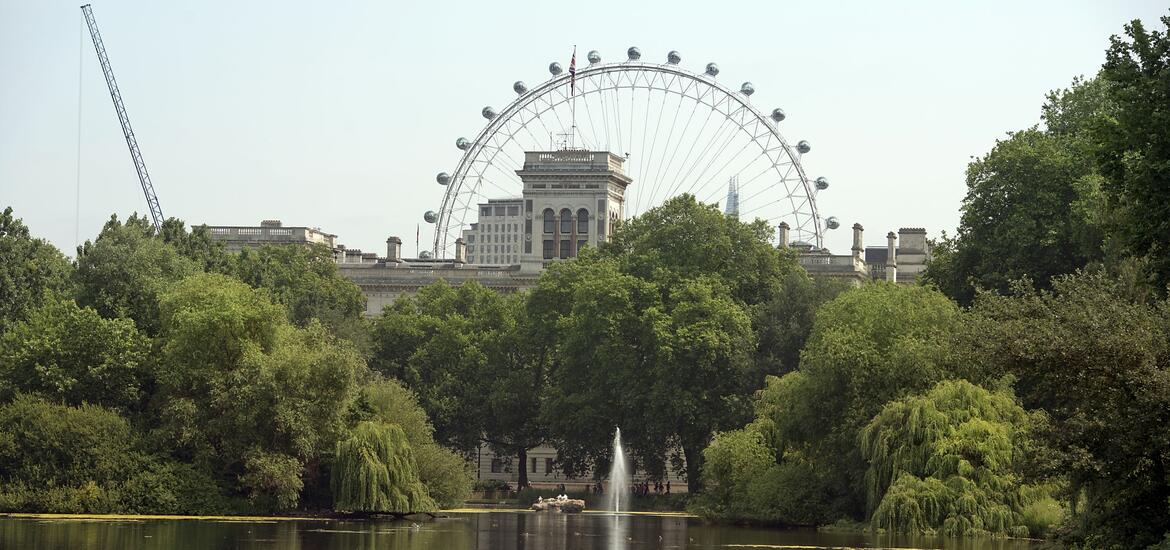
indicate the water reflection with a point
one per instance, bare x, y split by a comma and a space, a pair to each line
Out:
528, 531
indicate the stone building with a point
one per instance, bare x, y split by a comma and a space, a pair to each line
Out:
496, 238
239, 237
572, 199
903, 259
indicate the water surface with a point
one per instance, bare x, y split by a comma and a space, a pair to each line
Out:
460, 531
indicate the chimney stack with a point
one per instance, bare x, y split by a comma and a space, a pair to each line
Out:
891, 259
858, 246
784, 232
393, 250
460, 251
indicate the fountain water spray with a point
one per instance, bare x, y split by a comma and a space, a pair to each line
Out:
619, 477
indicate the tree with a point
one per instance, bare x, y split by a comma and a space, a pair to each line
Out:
471, 356
784, 322
435, 343
670, 372
949, 461
1098, 364
1033, 206
514, 383
30, 269
868, 346
684, 239
124, 271
1134, 146
375, 471
87, 459
241, 389
71, 354
305, 280
197, 245
442, 471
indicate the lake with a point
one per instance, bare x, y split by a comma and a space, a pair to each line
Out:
460, 531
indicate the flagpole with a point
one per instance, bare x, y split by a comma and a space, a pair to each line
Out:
573, 102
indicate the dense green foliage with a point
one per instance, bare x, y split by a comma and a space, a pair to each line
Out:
1033, 204
1099, 363
305, 280
162, 383
946, 462
30, 269
123, 272
869, 346
375, 471
1133, 146
161, 374
72, 355
464, 352
442, 471
55, 458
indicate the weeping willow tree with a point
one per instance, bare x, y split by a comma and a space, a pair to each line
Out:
375, 471
945, 462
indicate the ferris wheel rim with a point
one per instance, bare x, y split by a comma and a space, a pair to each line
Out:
529, 96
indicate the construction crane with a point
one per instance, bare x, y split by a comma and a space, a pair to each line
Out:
135, 155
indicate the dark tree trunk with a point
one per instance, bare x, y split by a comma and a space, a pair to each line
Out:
694, 456
522, 482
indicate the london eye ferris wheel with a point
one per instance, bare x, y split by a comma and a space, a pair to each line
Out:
680, 131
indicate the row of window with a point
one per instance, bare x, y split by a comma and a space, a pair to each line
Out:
500, 466
499, 227
550, 248
498, 210
505, 238
566, 217
485, 249
505, 259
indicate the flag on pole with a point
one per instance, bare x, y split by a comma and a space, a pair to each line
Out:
573, 72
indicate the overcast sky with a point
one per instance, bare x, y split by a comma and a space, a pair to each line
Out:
339, 114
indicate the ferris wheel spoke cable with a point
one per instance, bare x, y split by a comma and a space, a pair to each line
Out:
560, 123
721, 169
693, 161
740, 184
719, 147
659, 173
657, 131
650, 168
645, 168
592, 127
617, 116
698, 179
673, 181
642, 151
745, 183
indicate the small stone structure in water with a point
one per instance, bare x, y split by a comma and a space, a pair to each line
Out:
566, 505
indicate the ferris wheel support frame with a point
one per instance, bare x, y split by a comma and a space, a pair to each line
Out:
530, 96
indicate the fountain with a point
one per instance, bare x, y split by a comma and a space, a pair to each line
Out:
619, 478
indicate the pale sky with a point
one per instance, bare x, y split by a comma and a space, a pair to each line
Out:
339, 114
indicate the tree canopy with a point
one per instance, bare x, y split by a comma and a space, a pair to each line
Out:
375, 471
71, 354
30, 270
947, 462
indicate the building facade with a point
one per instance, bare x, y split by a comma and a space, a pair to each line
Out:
239, 237
572, 199
498, 235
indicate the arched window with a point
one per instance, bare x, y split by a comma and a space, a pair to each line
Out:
566, 221
549, 220
582, 221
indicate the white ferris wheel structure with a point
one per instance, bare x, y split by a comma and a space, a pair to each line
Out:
680, 131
